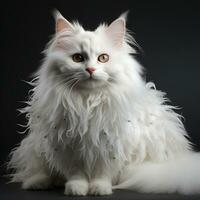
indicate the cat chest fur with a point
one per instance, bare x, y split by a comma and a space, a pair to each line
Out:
93, 129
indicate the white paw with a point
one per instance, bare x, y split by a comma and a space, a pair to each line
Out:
76, 188
37, 182
100, 187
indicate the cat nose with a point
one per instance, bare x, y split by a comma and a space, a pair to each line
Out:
90, 70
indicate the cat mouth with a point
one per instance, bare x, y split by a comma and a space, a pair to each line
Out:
91, 78
91, 83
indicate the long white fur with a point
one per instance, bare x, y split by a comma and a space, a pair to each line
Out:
118, 120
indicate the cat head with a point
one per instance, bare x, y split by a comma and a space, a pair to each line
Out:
90, 59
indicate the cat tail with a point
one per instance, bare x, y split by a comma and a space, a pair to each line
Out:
180, 175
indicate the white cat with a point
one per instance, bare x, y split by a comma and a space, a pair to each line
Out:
95, 124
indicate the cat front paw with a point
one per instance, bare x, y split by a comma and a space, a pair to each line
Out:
100, 187
76, 188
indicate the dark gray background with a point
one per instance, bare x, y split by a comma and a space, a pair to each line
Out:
167, 31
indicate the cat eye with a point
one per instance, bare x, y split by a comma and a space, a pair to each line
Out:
103, 58
77, 57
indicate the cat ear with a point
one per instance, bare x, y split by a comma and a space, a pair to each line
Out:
61, 23
117, 29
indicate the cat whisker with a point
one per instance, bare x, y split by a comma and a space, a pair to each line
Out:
70, 82
67, 79
65, 86
73, 86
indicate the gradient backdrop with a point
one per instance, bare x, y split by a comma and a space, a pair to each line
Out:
167, 31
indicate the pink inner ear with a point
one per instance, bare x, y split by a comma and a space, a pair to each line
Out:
116, 31
62, 24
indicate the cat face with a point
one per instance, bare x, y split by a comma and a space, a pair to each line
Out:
89, 59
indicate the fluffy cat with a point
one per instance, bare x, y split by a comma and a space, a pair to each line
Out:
95, 125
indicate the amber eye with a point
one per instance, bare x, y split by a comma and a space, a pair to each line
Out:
103, 58
77, 57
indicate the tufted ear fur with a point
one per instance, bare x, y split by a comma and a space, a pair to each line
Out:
61, 23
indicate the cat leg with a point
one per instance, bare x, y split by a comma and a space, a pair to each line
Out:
77, 184
101, 183
39, 181
39, 177
29, 166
